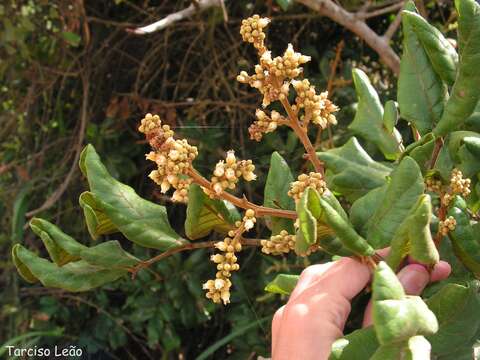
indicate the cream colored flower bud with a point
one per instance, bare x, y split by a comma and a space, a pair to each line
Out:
230, 160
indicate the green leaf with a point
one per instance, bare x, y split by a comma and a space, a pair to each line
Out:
71, 38
74, 276
398, 317
61, 247
326, 237
205, 214
284, 4
465, 93
368, 121
97, 221
362, 209
465, 240
351, 171
440, 51
109, 255
390, 116
278, 183
422, 154
307, 224
421, 93
413, 236
141, 221
360, 344
415, 348
402, 193
344, 230
457, 309
282, 284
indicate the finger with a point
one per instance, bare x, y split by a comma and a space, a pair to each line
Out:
414, 278
440, 271
276, 323
308, 276
345, 278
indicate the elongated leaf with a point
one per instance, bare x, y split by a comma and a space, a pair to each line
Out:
360, 344
205, 214
368, 121
344, 230
307, 229
74, 276
390, 116
61, 247
363, 209
422, 154
465, 92
415, 348
351, 171
465, 241
402, 193
413, 237
440, 51
109, 255
282, 284
421, 93
98, 223
457, 309
141, 221
398, 317
325, 236
278, 183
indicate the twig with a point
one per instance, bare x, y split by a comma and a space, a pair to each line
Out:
392, 28
242, 202
78, 149
381, 11
303, 136
170, 19
186, 247
358, 26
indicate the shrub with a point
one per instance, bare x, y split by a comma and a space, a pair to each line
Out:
422, 201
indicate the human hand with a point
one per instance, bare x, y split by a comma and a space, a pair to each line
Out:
315, 314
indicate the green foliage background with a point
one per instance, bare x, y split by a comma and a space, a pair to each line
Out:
70, 74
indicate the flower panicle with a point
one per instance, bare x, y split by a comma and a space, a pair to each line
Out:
173, 157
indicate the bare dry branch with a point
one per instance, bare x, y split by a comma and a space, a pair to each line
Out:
358, 26
170, 19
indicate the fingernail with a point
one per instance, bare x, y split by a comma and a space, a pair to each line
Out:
414, 278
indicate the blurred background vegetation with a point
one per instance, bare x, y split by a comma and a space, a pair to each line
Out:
70, 74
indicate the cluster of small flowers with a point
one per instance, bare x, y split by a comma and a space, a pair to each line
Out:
228, 172
458, 185
447, 225
433, 185
317, 108
313, 179
278, 244
270, 73
264, 124
252, 31
173, 157
218, 290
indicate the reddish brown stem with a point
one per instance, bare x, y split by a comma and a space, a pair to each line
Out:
301, 132
189, 246
243, 203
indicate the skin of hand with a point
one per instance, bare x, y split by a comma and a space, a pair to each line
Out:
316, 312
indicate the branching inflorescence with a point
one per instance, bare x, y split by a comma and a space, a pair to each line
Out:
274, 78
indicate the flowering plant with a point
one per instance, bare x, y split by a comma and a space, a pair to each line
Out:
422, 200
